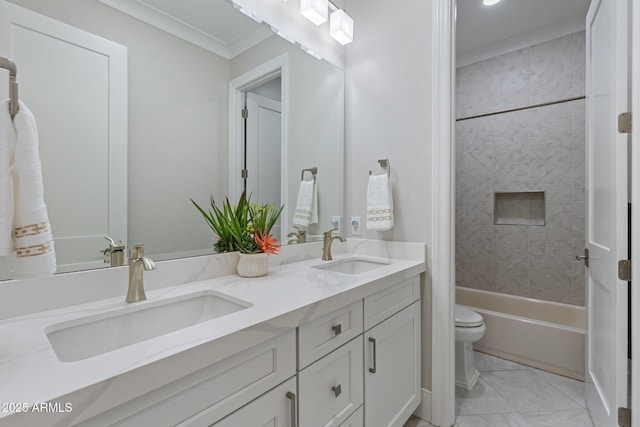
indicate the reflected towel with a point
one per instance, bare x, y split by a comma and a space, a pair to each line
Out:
379, 203
32, 237
7, 144
306, 211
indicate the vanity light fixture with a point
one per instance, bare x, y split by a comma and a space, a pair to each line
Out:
490, 2
316, 11
341, 27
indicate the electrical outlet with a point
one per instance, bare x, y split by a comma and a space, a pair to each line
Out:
356, 224
336, 222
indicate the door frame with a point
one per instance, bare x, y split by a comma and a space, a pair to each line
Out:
635, 212
237, 87
443, 212
443, 258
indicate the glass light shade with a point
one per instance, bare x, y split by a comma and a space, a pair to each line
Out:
341, 27
315, 11
490, 2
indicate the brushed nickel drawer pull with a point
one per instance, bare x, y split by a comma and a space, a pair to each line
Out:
291, 396
337, 389
373, 341
337, 330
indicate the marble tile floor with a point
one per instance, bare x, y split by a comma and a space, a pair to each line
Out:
513, 395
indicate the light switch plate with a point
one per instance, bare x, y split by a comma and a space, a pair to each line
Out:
336, 222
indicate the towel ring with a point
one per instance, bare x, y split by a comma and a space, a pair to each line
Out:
384, 164
313, 170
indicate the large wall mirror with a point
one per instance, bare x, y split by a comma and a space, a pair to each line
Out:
137, 105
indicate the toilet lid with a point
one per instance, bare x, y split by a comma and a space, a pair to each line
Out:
467, 318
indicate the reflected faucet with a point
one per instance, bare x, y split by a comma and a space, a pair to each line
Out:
138, 264
326, 244
115, 252
299, 237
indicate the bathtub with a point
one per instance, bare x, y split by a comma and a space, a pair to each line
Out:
541, 334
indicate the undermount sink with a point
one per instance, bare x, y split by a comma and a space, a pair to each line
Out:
93, 335
352, 265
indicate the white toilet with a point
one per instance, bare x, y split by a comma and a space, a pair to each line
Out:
470, 328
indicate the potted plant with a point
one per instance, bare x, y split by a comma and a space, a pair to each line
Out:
245, 228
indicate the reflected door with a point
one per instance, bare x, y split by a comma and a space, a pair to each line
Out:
76, 85
606, 232
263, 152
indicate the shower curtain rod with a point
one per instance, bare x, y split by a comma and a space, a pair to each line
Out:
544, 104
8, 64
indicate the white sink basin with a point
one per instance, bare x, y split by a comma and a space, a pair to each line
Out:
352, 265
80, 339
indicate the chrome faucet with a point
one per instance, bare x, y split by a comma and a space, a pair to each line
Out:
326, 244
138, 264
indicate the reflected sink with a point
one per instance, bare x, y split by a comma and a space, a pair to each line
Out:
90, 336
352, 265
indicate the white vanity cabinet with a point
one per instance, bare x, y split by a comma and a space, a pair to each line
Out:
380, 367
276, 408
209, 394
392, 355
353, 367
330, 367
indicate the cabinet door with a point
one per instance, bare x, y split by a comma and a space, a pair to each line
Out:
392, 369
274, 409
331, 388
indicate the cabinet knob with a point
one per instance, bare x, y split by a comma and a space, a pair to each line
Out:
337, 330
337, 389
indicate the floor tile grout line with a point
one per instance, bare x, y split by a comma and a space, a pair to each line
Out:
535, 371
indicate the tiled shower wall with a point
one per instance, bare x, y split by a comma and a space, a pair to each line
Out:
536, 149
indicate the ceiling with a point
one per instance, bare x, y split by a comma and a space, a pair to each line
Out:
479, 26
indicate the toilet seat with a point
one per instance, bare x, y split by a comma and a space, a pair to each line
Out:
466, 318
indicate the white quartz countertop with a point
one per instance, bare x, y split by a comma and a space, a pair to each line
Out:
290, 295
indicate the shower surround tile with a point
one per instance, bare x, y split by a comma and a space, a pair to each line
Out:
537, 149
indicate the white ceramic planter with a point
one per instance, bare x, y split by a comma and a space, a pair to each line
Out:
253, 265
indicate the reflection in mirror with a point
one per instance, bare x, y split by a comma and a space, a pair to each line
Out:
134, 127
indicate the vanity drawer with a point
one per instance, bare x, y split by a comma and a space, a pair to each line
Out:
332, 388
387, 302
325, 334
210, 393
355, 420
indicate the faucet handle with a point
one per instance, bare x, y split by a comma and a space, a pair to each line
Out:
328, 233
113, 245
137, 251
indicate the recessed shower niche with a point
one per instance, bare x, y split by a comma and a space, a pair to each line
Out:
519, 208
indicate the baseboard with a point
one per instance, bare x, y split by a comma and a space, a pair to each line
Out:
424, 410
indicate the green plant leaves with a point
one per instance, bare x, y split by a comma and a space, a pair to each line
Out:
236, 225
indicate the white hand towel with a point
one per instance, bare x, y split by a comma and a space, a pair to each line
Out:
379, 203
7, 144
306, 211
33, 240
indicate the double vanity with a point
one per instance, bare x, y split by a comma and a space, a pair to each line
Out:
312, 343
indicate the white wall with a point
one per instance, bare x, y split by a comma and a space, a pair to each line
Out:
388, 115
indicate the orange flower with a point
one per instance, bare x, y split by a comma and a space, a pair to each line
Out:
266, 243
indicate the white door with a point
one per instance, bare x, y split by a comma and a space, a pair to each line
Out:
606, 216
75, 83
263, 152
